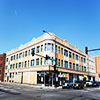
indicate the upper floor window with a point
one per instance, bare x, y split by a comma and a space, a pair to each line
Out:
11, 66
73, 56
49, 47
6, 67
61, 63
70, 54
45, 47
73, 66
56, 48
17, 56
84, 68
41, 48
25, 63
66, 64
70, 64
32, 62
41, 61
81, 59
14, 57
65, 52
20, 55
37, 61
32, 50
76, 57
77, 67
38, 49
16, 65
1, 58
6, 59
0, 65
19, 64
0, 72
28, 63
28, 52
25, 53
52, 47
11, 58
62, 51
59, 50
84, 60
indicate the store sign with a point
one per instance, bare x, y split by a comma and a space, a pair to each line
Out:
65, 75
85, 75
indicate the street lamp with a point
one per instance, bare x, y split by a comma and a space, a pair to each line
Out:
55, 57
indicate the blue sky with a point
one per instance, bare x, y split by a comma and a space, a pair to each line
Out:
77, 21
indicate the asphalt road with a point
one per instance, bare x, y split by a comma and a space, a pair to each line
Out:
32, 93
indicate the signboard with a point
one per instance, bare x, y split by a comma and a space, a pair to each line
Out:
65, 75
85, 75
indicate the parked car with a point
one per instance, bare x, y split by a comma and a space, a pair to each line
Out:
89, 83
95, 84
67, 84
78, 84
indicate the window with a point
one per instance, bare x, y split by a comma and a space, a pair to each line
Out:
16, 65
25, 63
44, 61
0, 65
41, 61
69, 54
62, 51
38, 49
28, 52
65, 52
84, 68
70, 64
66, 64
73, 56
81, 59
20, 55
32, 62
59, 50
52, 61
5, 75
56, 48
25, 53
17, 56
84, 60
52, 47
19, 64
11, 66
56, 61
45, 47
28, 63
1, 58
73, 66
37, 61
6, 67
0, 71
11, 58
77, 67
61, 63
22, 64
14, 57
41, 48
76, 57
32, 50
49, 47
6, 59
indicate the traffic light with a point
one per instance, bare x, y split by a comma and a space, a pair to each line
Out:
33, 52
47, 57
86, 50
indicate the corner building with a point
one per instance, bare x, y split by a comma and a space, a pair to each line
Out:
22, 67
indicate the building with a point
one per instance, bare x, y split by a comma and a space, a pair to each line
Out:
97, 65
2, 66
22, 67
91, 67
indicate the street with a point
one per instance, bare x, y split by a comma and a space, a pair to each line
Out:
21, 92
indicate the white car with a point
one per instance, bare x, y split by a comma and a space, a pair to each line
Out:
89, 83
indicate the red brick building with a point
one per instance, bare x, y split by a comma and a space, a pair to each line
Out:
2, 66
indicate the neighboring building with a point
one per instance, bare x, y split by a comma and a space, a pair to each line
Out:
21, 67
97, 65
2, 66
91, 67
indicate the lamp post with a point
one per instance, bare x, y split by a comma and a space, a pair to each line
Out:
55, 57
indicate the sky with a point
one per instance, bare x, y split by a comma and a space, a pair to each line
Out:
77, 21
